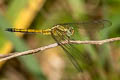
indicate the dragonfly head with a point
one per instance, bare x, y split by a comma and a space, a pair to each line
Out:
70, 31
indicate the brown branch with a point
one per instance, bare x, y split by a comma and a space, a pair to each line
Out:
13, 55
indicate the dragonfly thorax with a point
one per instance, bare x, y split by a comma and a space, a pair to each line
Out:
62, 30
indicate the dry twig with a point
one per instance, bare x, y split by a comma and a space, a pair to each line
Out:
13, 55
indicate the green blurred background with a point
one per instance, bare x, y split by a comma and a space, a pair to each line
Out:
53, 64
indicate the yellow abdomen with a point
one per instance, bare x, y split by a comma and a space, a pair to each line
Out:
44, 32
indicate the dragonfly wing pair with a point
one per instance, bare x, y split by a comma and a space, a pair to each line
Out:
66, 49
78, 59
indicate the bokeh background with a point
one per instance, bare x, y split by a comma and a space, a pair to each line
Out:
52, 64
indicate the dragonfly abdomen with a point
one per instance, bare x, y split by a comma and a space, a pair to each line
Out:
44, 32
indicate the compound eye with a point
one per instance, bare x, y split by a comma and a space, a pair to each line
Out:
70, 31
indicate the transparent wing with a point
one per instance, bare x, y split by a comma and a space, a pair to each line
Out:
65, 48
78, 59
89, 29
90, 25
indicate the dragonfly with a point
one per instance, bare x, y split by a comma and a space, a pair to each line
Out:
64, 32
